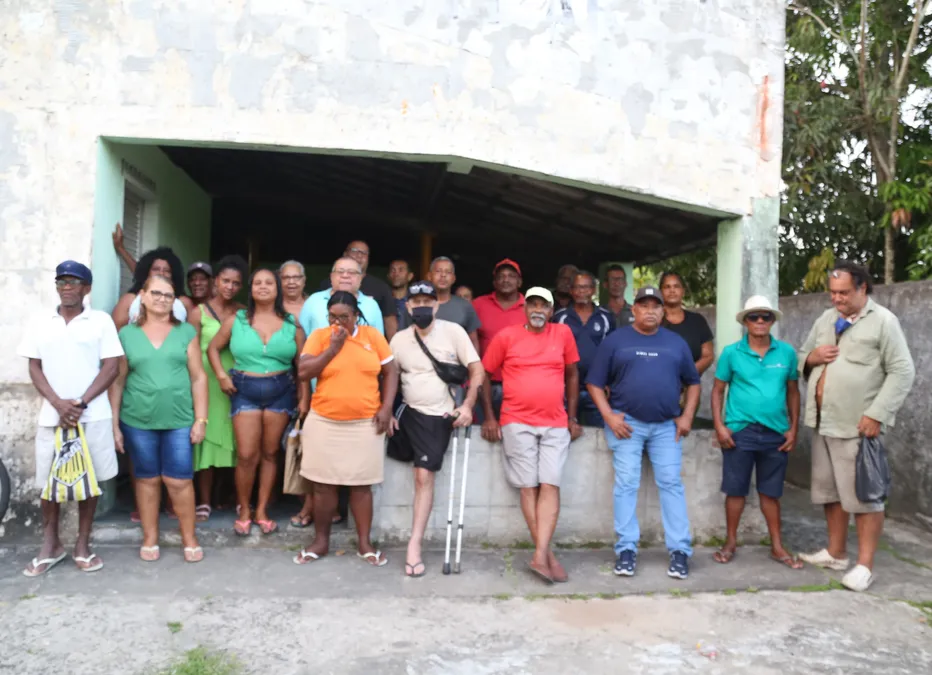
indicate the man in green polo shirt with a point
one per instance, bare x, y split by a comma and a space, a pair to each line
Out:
760, 423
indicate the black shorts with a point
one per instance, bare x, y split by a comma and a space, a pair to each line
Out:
420, 438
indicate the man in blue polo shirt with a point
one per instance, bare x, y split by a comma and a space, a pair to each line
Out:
346, 275
760, 425
590, 325
645, 367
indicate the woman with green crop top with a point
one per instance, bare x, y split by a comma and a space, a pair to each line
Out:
218, 450
266, 343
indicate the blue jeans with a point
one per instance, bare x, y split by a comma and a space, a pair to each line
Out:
163, 452
665, 454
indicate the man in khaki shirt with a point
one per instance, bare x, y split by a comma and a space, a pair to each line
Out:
860, 371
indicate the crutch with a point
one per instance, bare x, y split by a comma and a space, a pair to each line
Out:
446, 555
459, 528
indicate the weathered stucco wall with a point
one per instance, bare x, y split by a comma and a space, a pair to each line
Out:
678, 102
909, 443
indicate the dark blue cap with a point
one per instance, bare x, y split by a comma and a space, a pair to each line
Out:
70, 268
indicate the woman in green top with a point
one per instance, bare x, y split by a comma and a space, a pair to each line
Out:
159, 406
266, 343
219, 447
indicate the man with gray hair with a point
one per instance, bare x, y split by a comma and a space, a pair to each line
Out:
452, 307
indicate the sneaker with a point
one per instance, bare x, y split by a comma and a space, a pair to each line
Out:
858, 579
825, 559
626, 563
679, 565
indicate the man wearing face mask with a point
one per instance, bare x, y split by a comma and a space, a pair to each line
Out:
428, 412
538, 365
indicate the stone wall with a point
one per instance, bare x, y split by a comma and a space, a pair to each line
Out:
910, 442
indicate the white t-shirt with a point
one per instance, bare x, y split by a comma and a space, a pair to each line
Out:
71, 354
421, 388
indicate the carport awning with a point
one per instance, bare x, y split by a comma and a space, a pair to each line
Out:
309, 205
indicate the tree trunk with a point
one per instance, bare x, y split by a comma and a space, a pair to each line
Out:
888, 254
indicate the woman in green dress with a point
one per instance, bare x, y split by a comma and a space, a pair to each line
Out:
218, 451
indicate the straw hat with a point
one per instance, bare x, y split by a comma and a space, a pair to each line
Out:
758, 303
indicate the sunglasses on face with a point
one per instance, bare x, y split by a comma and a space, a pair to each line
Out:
766, 317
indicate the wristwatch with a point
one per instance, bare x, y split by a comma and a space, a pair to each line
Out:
574, 420
82, 404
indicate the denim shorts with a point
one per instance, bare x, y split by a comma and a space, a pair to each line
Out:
276, 393
162, 452
756, 449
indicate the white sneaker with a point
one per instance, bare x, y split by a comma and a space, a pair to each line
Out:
825, 559
859, 579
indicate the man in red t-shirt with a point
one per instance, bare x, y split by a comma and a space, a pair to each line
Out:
537, 361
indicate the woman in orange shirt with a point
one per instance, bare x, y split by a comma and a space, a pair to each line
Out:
343, 442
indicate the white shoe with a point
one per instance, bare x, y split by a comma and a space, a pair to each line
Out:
825, 559
859, 579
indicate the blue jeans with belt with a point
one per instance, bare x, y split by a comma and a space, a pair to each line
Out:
665, 454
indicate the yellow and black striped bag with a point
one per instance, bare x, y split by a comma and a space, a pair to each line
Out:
72, 477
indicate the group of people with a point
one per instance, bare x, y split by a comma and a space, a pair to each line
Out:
201, 382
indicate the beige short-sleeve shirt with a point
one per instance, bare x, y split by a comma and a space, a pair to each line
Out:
421, 388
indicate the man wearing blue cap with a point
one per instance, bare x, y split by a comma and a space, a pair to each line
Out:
74, 355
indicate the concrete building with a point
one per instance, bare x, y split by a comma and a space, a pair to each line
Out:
550, 131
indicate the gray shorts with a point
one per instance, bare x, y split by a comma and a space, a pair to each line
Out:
99, 436
534, 455
834, 469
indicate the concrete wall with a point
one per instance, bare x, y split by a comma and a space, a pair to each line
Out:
910, 442
493, 513
669, 101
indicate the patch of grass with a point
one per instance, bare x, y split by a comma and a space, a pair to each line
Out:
832, 585
534, 597
924, 606
730, 591
885, 546
294, 548
523, 545
643, 544
587, 545
486, 545
680, 593
577, 596
174, 627
200, 661
752, 589
609, 596
766, 542
28, 596
502, 596
714, 542
509, 558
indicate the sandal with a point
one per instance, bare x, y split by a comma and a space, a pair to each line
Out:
790, 561
305, 557
543, 574
374, 559
36, 564
80, 561
267, 526
301, 522
724, 556
149, 553
202, 513
242, 527
410, 569
193, 554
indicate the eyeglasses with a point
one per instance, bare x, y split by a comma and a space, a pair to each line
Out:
161, 296
293, 277
339, 318
766, 317
342, 270
360, 251
67, 282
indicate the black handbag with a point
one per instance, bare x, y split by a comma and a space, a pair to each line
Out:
449, 373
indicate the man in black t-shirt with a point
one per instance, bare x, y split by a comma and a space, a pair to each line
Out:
690, 326
372, 286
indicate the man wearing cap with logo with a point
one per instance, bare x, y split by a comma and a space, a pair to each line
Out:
429, 411
645, 367
590, 325
200, 276
74, 355
537, 361
499, 309
761, 420
860, 371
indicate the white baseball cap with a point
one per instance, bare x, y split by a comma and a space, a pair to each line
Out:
539, 292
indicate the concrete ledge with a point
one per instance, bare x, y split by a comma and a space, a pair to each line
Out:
493, 514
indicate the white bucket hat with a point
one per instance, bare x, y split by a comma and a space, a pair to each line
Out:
758, 303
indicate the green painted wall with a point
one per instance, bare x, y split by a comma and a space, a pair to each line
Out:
177, 212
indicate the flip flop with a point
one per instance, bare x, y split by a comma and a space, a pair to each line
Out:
301, 522
410, 569
151, 551
377, 557
196, 554
267, 526
202, 513
559, 575
545, 576
134, 517
305, 557
723, 557
36, 563
242, 527
87, 561
789, 560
